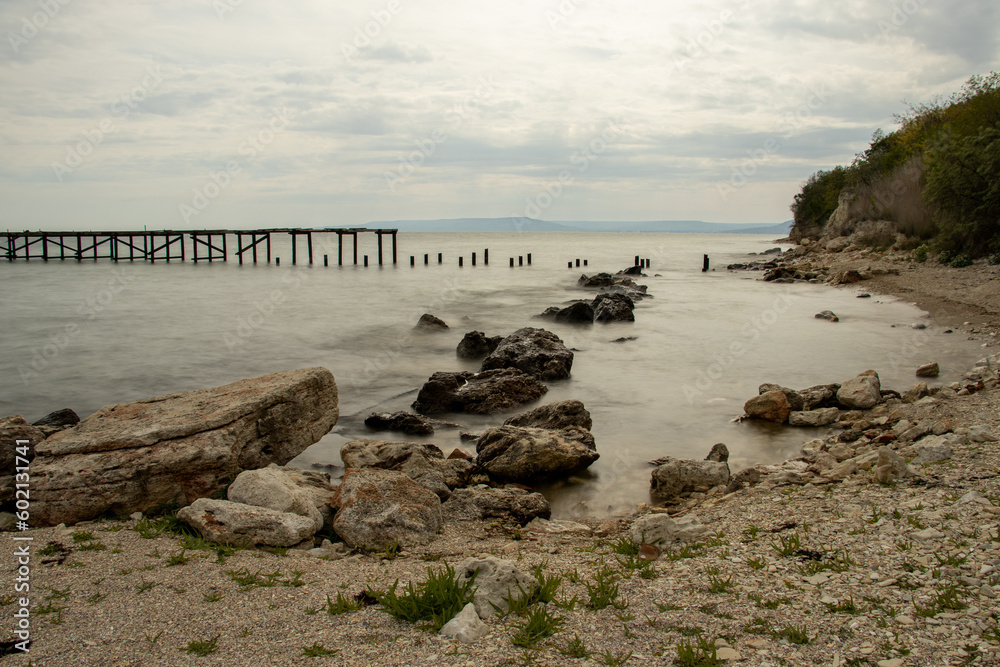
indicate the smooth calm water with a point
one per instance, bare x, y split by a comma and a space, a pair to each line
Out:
82, 335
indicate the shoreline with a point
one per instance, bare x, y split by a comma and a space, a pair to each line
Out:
906, 574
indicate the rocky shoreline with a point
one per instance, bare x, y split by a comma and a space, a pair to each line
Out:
878, 546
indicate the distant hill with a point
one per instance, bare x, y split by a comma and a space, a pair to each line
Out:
519, 224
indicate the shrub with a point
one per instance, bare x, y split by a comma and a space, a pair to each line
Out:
435, 601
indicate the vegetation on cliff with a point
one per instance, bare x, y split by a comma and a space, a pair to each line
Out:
937, 176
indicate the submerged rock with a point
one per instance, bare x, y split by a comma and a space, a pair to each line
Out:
525, 454
430, 322
403, 422
554, 416
537, 352
613, 308
476, 345
483, 393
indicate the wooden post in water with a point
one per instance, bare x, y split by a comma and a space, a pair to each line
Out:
569, 264
277, 261
520, 260
394, 246
426, 259
239, 244
585, 262
440, 258
326, 260
704, 264
413, 260
355, 235
340, 249
486, 256
294, 247
578, 262
473, 259
460, 260
379, 235
529, 259
366, 256
309, 241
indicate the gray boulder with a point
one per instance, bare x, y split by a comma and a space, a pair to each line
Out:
554, 416
403, 422
677, 476
431, 323
378, 507
59, 419
719, 453
526, 455
772, 406
476, 345
236, 524
661, 529
795, 399
818, 417
537, 352
931, 370
177, 448
482, 502
613, 307
483, 393
860, 393
303, 492
466, 626
581, 312
890, 466
495, 580
819, 396
827, 315
933, 449
423, 463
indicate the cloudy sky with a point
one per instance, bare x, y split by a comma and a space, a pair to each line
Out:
244, 113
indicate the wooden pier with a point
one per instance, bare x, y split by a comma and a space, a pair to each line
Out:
166, 245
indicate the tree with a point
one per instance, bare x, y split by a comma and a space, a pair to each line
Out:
963, 182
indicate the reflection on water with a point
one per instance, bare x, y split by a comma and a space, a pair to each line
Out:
702, 343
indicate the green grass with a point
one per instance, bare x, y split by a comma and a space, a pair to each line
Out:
435, 601
202, 648
82, 536
574, 648
603, 590
214, 596
795, 634
845, 607
787, 546
757, 562
177, 559
699, 652
247, 580
146, 585
612, 659
318, 651
944, 600
342, 605
539, 623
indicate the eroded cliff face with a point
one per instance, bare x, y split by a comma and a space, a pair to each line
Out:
877, 214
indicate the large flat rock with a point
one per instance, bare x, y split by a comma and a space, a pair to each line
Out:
176, 448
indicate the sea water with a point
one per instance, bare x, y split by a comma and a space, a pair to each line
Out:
86, 334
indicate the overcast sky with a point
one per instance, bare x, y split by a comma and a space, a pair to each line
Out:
244, 113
